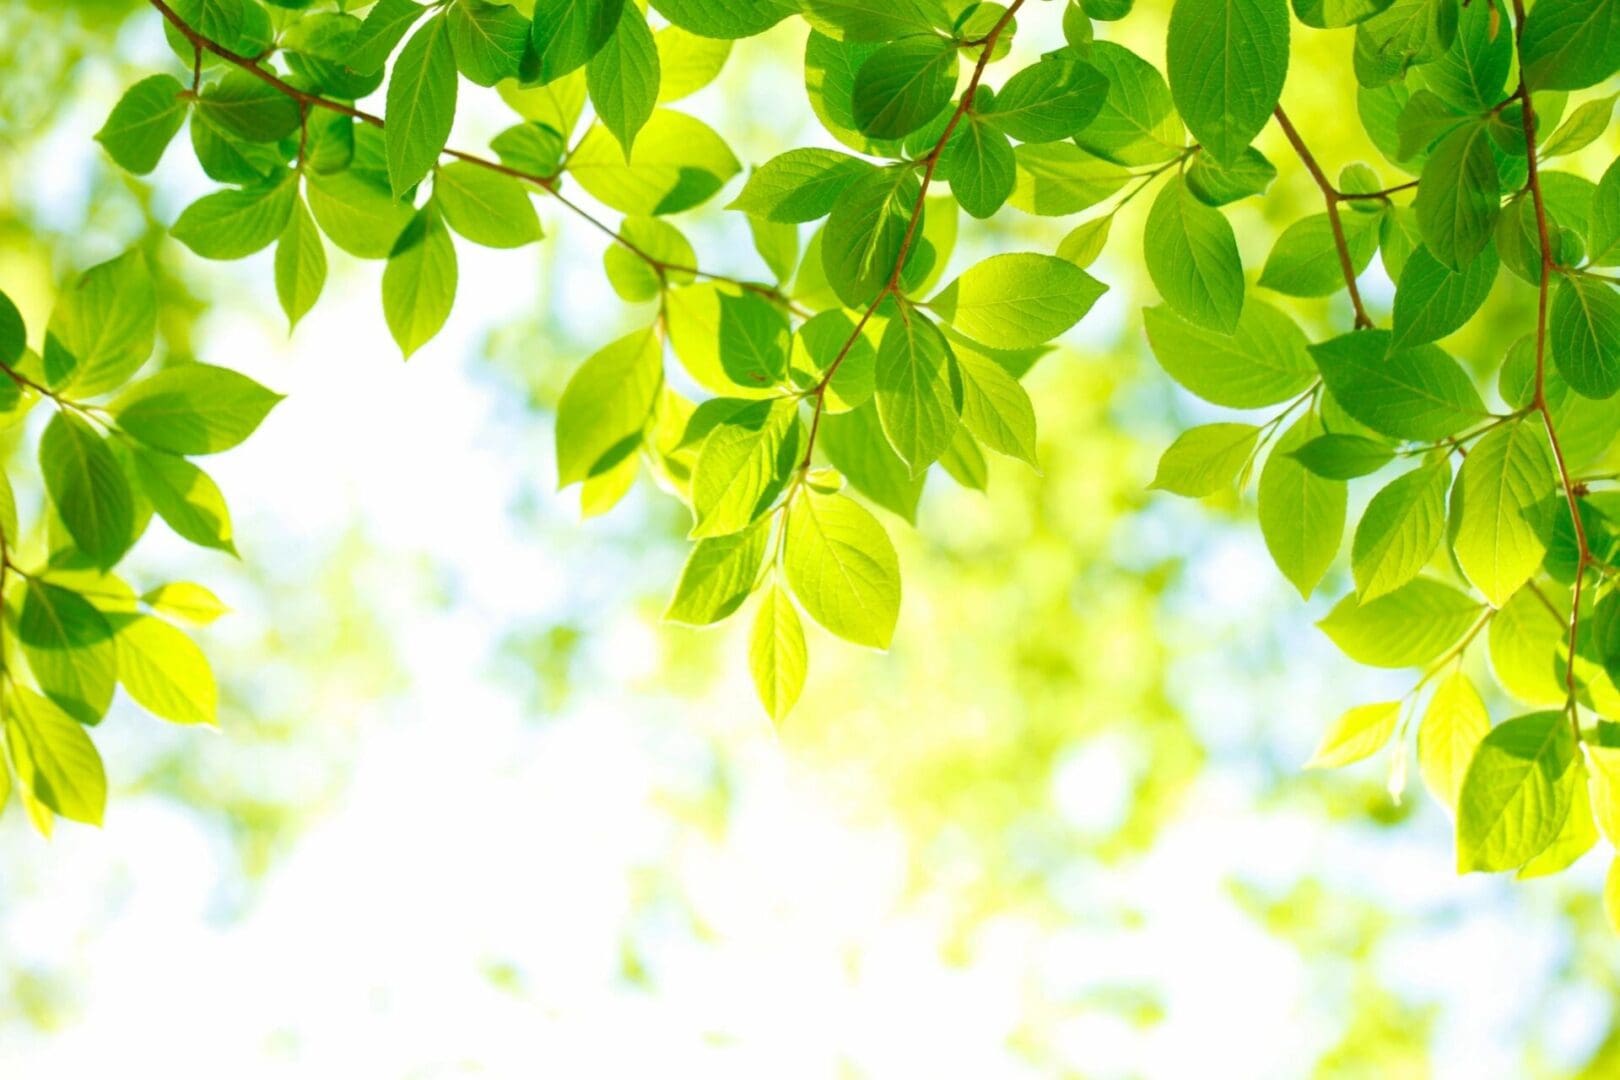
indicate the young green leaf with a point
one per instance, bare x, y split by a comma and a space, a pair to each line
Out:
193, 409
744, 465
843, 568
300, 264
719, 574
1358, 734
1501, 509
234, 224
419, 282
1418, 393
485, 207
1344, 457
1571, 44
1193, 259
69, 648
1453, 726
1048, 101
855, 444
164, 671
918, 391
144, 121
185, 497
103, 327
903, 85
1227, 60
1206, 459
1017, 300
88, 488
185, 600
1583, 334
56, 762
1517, 792
567, 33
1263, 362
1301, 514
487, 40
800, 185
623, 77
776, 653
678, 162
1305, 259
1400, 530
1459, 196
1406, 628
607, 405
421, 104
1432, 300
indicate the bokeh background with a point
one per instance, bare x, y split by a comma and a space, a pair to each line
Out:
473, 810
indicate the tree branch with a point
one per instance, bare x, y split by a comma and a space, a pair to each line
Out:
1332, 196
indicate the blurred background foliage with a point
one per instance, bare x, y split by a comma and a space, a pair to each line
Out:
473, 810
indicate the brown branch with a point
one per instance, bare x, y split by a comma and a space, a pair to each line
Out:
1332, 196
306, 100
1548, 265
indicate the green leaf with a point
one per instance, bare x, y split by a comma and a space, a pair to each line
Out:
1400, 530
1501, 509
687, 61
185, 600
69, 648
855, 444
1048, 101
421, 104
719, 574
1409, 627
865, 231
164, 671
56, 762
1472, 73
1218, 184
1206, 459
1054, 179
185, 497
1583, 335
88, 488
487, 40
1603, 237
1333, 14
723, 18
143, 123
1571, 44
1305, 259
567, 33
1301, 514
1576, 837
1085, 242
1517, 792
1453, 726
678, 163
1584, 127
193, 409
744, 464
1193, 259
1344, 457
1263, 362
1406, 34
379, 35
103, 327
1358, 734
300, 264
1137, 124
1433, 300
358, 216
419, 282
485, 207
800, 185
607, 405
918, 391
843, 568
874, 20
981, 167
245, 106
776, 654
1227, 60
234, 224
1418, 393
1459, 196
13, 334
903, 85
623, 77
995, 407
1017, 300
